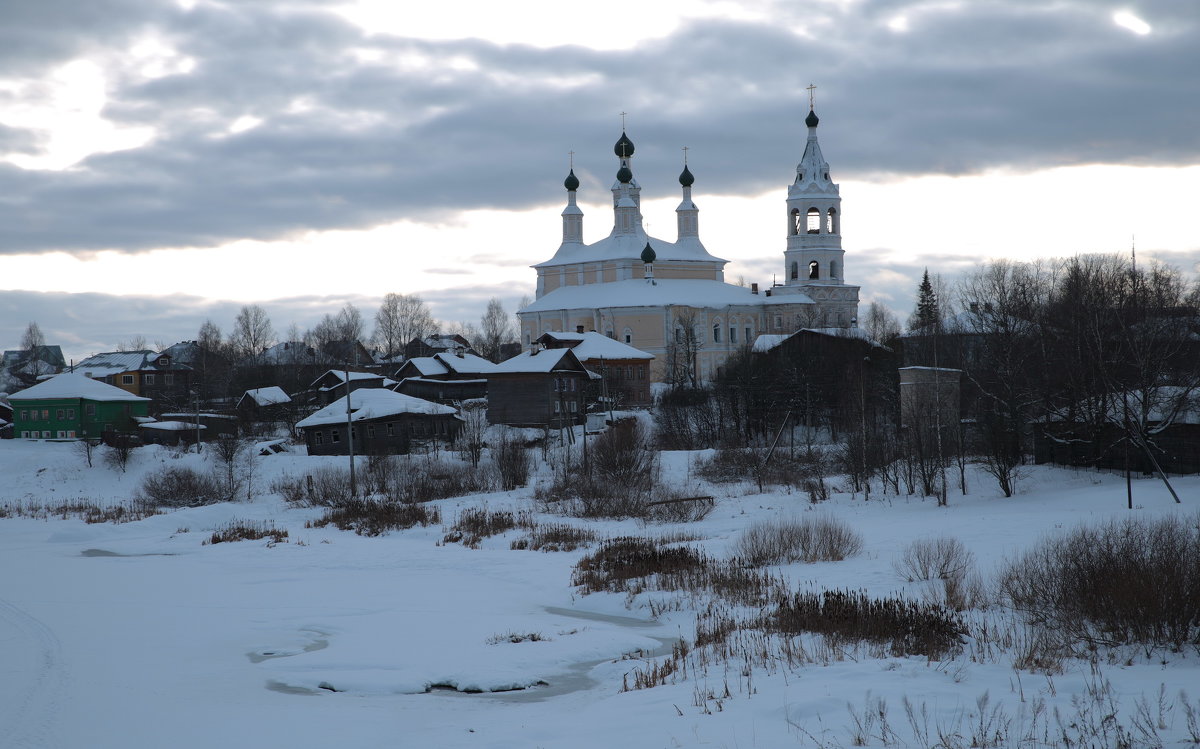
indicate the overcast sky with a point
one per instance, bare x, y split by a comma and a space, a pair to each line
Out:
166, 162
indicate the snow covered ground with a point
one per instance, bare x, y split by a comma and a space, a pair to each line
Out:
140, 635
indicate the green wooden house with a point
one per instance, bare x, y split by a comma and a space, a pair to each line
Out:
72, 406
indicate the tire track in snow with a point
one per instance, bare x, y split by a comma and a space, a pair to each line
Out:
31, 719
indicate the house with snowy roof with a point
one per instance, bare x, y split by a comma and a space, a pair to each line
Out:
437, 343
624, 370
20, 368
444, 377
72, 406
380, 422
670, 299
155, 376
334, 384
539, 388
263, 404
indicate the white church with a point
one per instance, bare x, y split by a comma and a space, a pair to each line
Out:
670, 298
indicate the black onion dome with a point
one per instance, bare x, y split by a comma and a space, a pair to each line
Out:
811, 120
571, 182
624, 146
685, 177
624, 175
648, 254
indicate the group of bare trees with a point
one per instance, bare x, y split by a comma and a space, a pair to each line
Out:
1094, 353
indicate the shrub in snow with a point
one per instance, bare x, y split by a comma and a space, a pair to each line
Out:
173, 486
1130, 581
371, 517
820, 539
942, 558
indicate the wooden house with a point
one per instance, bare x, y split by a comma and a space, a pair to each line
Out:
147, 374
444, 377
624, 370
382, 422
539, 388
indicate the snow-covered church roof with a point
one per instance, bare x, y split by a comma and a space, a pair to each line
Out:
629, 247
639, 293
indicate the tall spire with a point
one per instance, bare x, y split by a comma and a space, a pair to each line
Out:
627, 211
572, 215
687, 214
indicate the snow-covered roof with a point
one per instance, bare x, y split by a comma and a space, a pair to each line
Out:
592, 345
629, 247
546, 360
372, 403
74, 385
290, 352
113, 362
640, 293
768, 341
173, 426
200, 415
464, 363
268, 396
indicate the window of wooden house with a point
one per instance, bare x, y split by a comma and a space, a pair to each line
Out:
557, 406
24, 416
334, 436
148, 378
168, 379
127, 379
391, 432
370, 431
89, 409
45, 414
318, 438
70, 413
60, 414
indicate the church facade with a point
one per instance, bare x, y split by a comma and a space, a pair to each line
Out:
670, 298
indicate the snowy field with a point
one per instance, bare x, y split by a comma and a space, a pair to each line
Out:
141, 635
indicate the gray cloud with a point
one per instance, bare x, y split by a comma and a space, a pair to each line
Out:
346, 143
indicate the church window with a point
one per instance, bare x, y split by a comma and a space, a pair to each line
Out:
795, 270
717, 332
796, 227
778, 321
814, 221
527, 337
833, 227
733, 334
610, 334
679, 335
628, 336
814, 271
833, 269
749, 333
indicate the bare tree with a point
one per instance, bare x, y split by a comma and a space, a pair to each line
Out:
881, 324
400, 319
32, 340
683, 349
349, 323
495, 330
136, 343
252, 331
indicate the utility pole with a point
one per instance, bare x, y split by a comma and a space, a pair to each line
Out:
350, 433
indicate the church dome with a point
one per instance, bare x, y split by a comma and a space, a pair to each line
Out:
571, 182
648, 254
811, 120
624, 146
685, 177
624, 175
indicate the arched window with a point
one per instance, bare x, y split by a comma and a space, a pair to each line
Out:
628, 336
814, 271
717, 332
832, 226
796, 228
814, 221
527, 336
795, 270
833, 269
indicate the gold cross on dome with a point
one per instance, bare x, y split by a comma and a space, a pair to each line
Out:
623, 121
810, 87
572, 155
685, 150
